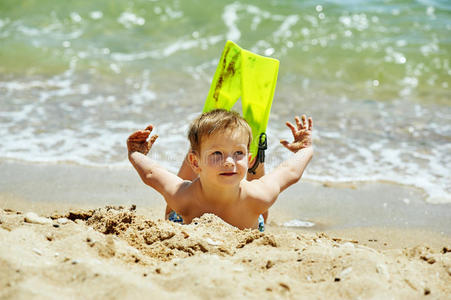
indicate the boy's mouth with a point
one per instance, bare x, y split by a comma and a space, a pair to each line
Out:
227, 173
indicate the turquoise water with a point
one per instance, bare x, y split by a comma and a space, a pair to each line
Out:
77, 78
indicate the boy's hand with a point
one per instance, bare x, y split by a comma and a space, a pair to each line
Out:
302, 135
137, 141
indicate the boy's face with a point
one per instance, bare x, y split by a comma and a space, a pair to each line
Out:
223, 158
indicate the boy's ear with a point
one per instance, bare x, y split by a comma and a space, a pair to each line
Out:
193, 160
250, 160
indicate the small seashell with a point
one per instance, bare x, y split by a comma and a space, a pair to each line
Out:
382, 269
213, 243
345, 272
31, 217
37, 251
62, 221
50, 237
348, 245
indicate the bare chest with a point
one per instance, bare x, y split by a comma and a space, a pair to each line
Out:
236, 215
233, 211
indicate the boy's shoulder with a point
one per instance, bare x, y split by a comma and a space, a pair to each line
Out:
183, 196
256, 191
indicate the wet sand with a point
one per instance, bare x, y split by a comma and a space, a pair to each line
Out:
89, 247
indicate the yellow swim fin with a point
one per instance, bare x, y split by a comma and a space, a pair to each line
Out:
241, 73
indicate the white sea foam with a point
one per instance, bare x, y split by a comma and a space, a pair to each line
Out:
382, 162
284, 31
171, 49
96, 15
180, 45
357, 21
89, 144
298, 223
129, 19
230, 18
135, 56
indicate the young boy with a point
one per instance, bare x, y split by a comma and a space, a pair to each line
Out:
219, 155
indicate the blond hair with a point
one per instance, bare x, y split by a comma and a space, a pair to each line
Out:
217, 120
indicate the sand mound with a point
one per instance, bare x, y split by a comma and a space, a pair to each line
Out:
114, 252
167, 240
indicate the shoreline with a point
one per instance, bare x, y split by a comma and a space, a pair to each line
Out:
329, 206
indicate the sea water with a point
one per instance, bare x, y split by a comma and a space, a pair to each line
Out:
76, 78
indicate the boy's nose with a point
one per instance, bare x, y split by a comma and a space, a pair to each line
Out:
229, 162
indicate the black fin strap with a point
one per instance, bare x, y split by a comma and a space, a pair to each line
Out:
260, 158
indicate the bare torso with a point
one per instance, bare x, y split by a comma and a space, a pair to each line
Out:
236, 211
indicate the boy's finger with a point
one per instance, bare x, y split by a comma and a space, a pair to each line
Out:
310, 123
287, 145
284, 143
152, 140
143, 134
140, 141
298, 122
138, 137
304, 121
291, 126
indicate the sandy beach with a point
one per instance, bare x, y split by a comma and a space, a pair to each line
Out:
98, 233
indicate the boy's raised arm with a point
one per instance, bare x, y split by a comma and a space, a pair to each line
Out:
151, 173
291, 170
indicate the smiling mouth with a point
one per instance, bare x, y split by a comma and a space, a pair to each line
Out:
228, 173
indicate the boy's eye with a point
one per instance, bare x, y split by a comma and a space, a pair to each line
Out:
215, 157
239, 154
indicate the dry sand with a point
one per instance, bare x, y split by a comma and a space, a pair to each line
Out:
118, 253
368, 242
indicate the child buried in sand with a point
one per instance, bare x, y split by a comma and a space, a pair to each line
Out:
219, 155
